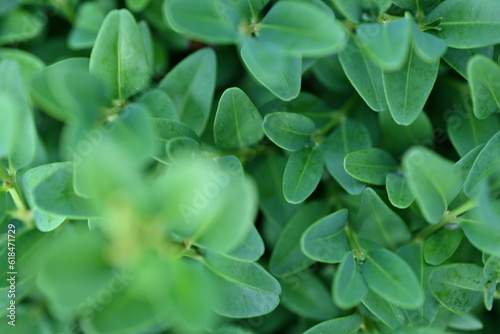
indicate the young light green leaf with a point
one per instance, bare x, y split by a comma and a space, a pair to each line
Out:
379, 223
349, 286
345, 325
391, 315
287, 257
398, 191
364, 75
119, 57
486, 163
408, 88
458, 287
289, 131
390, 277
315, 34
326, 239
281, 75
89, 18
240, 285
371, 165
440, 246
309, 298
467, 132
238, 123
434, 180
136, 5
190, 84
350, 136
464, 26
181, 149
208, 21
302, 174
483, 74
378, 39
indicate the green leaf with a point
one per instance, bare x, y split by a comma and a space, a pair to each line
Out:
464, 26
306, 295
467, 132
390, 277
379, 223
408, 88
250, 249
326, 239
29, 64
378, 39
427, 47
158, 104
440, 246
346, 325
458, 287
459, 58
281, 75
18, 136
238, 123
349, 287
166, 130
190, 84
31, 179
181, 149
119, 57
288, 130
363, 74
482, 232
483, 74
413, 4
434, 181
466, 322
89, 18
398, 191
352, 10
137, 5
371, 165
350, 136
244, 289
19, 25
397, 138
302, 174
486, 163
315, 34
55, 195
287, 257
390, 314
491, 268
203, 20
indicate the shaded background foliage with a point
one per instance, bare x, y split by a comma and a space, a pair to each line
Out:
250, 166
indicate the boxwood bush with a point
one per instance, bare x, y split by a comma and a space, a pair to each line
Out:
249, 166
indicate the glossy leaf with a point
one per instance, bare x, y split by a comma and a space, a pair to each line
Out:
467, 27
350, 136
119, 57
190, 85
345, 325
239, 284
458, 287
364, 75
398, 191
408, 88
379, 223
238, 123
371, 165
377, 39
390, 277
315, 34
287, 257
288, 130
440, 246
302, 174
434, 181
326, 239
485, 88
349, 287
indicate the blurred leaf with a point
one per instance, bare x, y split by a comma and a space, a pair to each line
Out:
165, 130
485, 89
466, 322
238, 123
459, 58
119, 57
349, 287
190, 85
371, 165
20, 24
288, 130
29, 64
240, 285
326, 239
137, 5
159, 105
440, 246
428, 47
302, 174
434, 181
250, 249
345, 325
89, 18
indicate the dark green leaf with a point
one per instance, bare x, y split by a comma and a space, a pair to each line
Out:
349, 286
250, 249
390, 314
459, 58
345, 325
398, 191
428, 47
371, 165
288, 130
440, 246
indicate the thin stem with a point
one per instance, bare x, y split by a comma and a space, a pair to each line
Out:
357, 251
4, 175
467, 206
